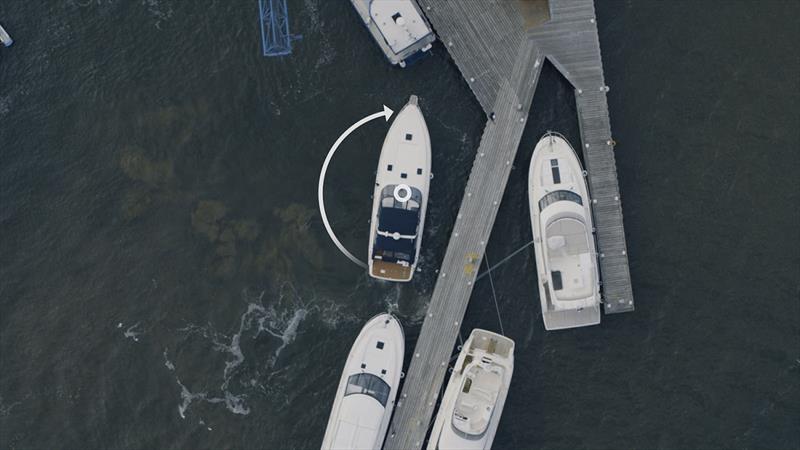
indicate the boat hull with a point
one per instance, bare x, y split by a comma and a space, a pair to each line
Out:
400, 197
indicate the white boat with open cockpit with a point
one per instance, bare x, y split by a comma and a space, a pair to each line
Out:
398, 27
476, 393
367, 390
561, 217
400, 198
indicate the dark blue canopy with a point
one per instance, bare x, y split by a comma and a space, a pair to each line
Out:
396, 220
388, 244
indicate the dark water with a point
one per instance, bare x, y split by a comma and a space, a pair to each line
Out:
166, 282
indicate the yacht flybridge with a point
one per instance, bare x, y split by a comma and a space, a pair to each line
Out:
561, 217
475, 395
368, 387
398, 27
400, 198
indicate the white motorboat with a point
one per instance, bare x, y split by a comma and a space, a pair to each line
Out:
368, 388
476, 393
398, 27
561, 217
400, 198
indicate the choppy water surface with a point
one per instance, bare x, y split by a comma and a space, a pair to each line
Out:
166, 282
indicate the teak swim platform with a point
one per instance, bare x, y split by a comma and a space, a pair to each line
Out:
500, 47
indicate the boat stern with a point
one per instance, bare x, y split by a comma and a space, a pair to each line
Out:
388, 271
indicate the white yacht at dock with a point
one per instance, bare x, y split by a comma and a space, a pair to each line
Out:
476, 393
561, 217
368, 387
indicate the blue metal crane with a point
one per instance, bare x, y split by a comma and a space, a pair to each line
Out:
275, 37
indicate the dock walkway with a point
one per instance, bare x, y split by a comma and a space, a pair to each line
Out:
499, 47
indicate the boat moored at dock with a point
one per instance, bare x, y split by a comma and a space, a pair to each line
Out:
400, 197
398, 26
476, 393
368, 387
563, 239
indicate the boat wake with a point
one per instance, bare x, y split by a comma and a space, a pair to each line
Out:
5, 409
257, 320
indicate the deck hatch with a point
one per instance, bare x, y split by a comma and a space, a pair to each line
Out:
409, 136
379, 345
556, 172
389, 167
558, 284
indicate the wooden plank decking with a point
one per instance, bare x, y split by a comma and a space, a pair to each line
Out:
500, 55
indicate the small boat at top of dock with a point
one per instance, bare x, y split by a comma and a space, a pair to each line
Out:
5, 38
563, 239
368, 388
476, 393
400, 198
398, 26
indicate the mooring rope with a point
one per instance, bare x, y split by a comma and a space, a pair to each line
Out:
494, 294
502, 261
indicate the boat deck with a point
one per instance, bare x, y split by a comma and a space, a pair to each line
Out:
399, 41
390, 270
499, 48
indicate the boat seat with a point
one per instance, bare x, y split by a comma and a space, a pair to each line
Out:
556, 242
466, 404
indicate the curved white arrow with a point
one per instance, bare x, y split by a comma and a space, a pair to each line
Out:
387, 113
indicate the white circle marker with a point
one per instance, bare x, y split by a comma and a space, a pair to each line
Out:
402, 193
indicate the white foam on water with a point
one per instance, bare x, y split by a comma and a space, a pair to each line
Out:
132, 332
5, 410
158, 10
5, 105
392, 299
256, 319
270, 322
167, 363
187, 398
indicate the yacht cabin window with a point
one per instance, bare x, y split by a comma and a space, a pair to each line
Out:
368, 384
557, 196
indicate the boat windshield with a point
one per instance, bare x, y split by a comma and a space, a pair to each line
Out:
368, 384
557, 196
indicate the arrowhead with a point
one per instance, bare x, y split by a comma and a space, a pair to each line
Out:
387, 112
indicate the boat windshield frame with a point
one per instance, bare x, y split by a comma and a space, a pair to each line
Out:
557, 196
370, 385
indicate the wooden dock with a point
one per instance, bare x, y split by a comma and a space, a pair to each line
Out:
499, 47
